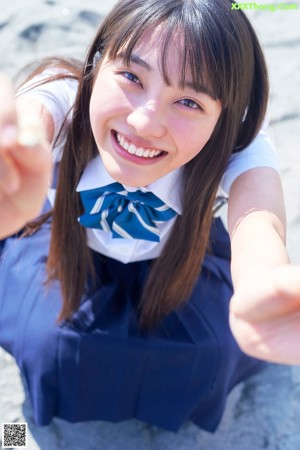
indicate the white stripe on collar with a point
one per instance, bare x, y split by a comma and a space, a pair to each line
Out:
167, 188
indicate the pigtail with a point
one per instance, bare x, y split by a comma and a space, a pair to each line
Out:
175, 272
70, 258
256, 108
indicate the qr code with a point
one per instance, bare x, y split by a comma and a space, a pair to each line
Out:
14, 435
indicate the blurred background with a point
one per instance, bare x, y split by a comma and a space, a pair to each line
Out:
263, 413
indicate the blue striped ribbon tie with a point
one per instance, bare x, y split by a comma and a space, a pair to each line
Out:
128, 215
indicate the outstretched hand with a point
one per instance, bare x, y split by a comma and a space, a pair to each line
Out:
267, 316
25, 162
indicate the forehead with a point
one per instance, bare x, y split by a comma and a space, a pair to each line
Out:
166, 50
157, 43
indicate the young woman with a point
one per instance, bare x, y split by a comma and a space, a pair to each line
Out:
115, 302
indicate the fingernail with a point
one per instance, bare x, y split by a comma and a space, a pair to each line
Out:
31, 133
8, 135
27, 138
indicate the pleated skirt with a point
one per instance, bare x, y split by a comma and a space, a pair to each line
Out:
100, 365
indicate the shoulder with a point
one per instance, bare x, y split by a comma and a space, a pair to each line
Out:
260, 153
53, 86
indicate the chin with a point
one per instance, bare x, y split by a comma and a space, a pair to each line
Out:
130, 181
128, 177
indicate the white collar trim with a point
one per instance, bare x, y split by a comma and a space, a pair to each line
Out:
167, 188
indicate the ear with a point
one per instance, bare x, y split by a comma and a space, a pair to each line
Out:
96, 59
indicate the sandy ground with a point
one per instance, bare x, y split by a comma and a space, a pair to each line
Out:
263, 413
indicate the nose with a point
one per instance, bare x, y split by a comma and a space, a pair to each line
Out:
147, 120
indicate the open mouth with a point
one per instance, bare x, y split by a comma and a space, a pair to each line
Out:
132, 149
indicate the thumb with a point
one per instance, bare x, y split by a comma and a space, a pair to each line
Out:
32, 151
8, 115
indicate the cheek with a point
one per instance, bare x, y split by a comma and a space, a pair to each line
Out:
191, 139
93, 113
100, 97
100, 112
95, 109
107, 104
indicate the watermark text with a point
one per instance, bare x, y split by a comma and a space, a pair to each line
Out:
253, 6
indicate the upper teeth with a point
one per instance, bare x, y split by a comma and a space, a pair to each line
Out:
138, 151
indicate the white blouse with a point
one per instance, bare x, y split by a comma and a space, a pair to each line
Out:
58, 97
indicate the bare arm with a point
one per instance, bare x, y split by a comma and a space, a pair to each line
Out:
265, 309
26, 129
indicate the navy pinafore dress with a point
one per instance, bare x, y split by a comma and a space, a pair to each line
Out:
100, 365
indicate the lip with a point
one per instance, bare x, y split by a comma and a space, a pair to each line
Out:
133, 158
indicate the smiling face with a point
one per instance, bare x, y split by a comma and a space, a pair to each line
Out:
144, 127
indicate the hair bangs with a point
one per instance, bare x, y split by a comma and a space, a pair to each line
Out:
132, 28
182, 30
196, 67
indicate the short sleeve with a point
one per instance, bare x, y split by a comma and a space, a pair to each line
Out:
260, 153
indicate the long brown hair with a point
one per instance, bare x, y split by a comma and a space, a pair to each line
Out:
219, 48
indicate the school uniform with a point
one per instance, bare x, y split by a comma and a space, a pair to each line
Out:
100, 365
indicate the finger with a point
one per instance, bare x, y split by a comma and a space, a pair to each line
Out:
8, 116
33, 151
34, 159
276, 340
273, 296
288, 281
9, 177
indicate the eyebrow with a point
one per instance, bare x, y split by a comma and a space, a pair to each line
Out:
136, 60
133, 58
